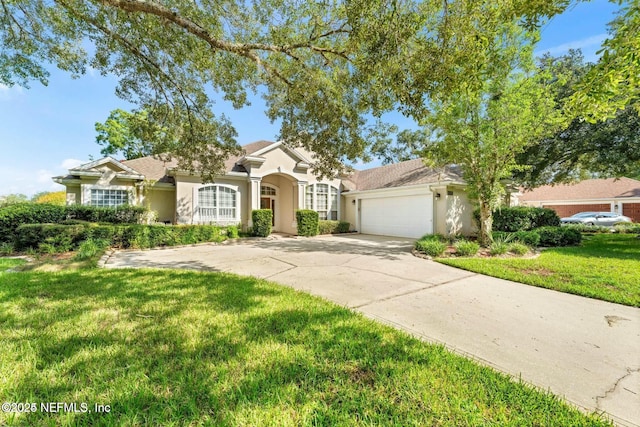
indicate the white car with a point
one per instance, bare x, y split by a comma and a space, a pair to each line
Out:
596, 218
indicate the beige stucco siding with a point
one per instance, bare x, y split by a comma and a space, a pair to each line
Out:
349, 210
459, 218
163, 202
186, 186
74, 195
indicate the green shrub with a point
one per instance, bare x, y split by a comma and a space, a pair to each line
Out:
521, 218
326, 226
559, 236
518, 248
431, 247
59, 237
627, 228
332, 227
308, 222
466, 248
232, 231
262, 219
68, 237
126, 214
13, 216
344, 227
529, 238
90, 248
498, 248
584, 228
6, 248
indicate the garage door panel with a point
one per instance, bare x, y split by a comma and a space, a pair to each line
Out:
405, 216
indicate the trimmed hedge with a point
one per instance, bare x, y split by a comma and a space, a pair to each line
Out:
262, 219
13, 216
126, 214
543, 236
62, 238
333, 227
559, 236
521, 218
308, 222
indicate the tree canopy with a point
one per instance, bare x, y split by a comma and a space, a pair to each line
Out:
613, 84
129, 133
327, 70
581, 148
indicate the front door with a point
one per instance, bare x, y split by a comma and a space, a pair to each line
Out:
269, 203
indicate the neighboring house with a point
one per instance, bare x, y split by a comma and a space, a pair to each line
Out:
620, 195
406, 199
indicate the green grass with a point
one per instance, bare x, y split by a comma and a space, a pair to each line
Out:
606, 267
7, 263
189, 348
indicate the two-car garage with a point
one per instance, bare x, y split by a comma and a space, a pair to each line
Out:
402, 216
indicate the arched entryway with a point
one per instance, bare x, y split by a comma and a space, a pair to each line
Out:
279, 192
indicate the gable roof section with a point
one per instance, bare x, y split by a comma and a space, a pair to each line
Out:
403, 174
585, 190
88, 167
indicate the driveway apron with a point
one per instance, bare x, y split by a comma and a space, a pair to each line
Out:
585, 350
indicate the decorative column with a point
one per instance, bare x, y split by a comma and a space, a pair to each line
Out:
302, 186
254, 196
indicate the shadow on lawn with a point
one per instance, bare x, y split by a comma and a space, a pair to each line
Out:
217, 349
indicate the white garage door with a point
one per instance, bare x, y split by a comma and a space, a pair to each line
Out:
405, 216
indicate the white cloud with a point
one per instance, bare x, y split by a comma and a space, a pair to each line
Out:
590, 44
71, 163
29, 182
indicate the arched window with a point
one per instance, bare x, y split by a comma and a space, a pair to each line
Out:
217, 203
323, 198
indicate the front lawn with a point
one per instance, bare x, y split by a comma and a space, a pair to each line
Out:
606, 267
7, 263
189, 348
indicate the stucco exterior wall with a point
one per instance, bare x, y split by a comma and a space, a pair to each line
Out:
74, 195
459, 219
349, 210
185, 187
163, 202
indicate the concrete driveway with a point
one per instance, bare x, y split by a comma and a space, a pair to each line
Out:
585, 350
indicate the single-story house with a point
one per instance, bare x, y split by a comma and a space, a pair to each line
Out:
405, 199
620, 195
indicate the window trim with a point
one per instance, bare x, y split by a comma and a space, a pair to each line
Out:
196, 202
86, 192
329, 195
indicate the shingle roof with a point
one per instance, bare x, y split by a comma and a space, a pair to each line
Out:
410, 172
154, 168
587, 189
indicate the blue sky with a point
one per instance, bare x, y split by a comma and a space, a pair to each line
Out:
46, 130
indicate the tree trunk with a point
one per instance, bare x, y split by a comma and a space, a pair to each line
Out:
486, 224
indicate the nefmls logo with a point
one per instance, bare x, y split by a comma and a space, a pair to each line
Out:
54, 407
